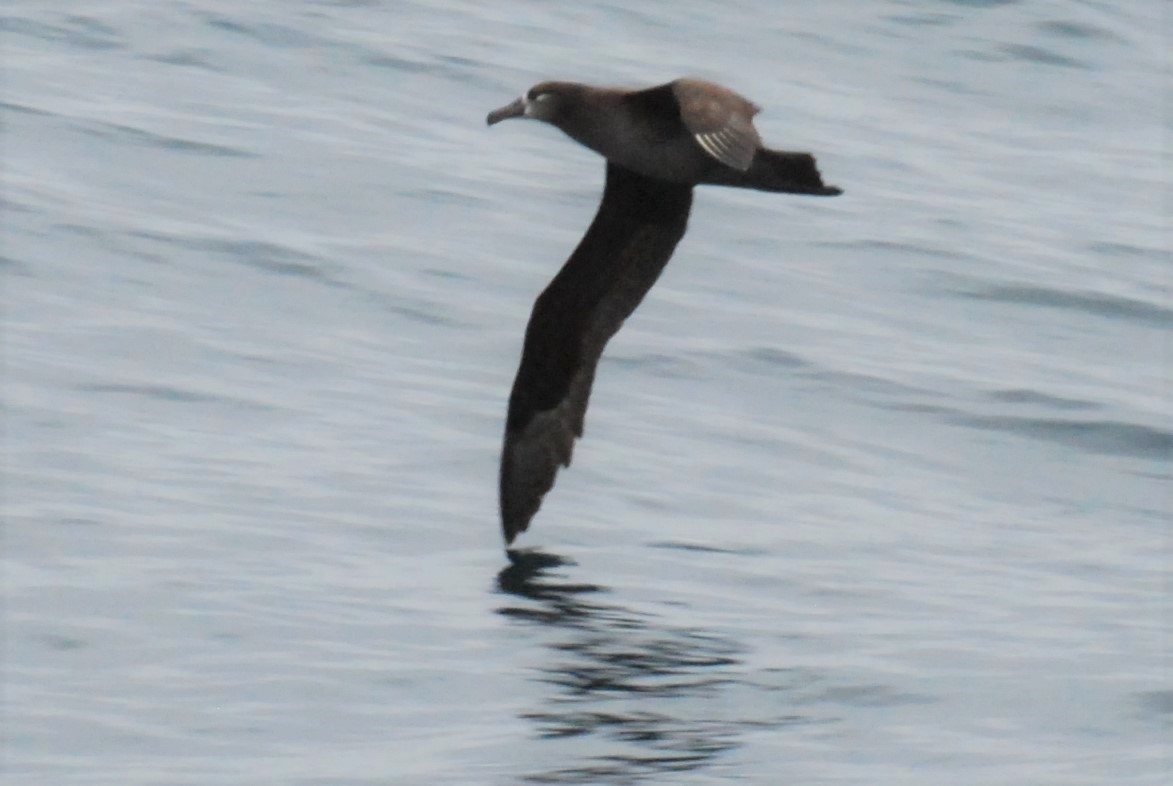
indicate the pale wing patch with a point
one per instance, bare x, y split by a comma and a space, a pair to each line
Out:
719, 120
731, 148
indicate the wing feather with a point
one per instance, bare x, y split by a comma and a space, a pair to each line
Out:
634, 233
720, 120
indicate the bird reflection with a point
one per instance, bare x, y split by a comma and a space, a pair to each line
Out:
640, 697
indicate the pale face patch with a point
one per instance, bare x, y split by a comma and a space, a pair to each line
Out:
540, 107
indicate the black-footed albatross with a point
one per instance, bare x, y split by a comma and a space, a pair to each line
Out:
659, 143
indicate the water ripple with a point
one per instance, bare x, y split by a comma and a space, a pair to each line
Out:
703, 548
24, 109
274, 258
269, 33
1159, 704
983, 3
138, 136
1045, 400
1030, 53
82, 32
1096, 436
1095, 303
191, 58
1077, 30
171, 394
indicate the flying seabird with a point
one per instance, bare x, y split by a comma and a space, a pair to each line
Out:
659, 143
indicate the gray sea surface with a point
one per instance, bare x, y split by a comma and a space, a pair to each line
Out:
874, 489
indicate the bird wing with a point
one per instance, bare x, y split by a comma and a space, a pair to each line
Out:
719, 120
634, 233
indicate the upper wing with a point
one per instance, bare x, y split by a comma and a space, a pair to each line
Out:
719, 120
633, 235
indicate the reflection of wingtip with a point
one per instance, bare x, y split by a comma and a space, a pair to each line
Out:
535, 559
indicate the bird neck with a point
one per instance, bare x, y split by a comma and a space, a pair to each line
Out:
597, 121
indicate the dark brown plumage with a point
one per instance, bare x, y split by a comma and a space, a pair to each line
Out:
658, 143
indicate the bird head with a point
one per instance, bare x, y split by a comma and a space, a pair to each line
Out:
546, 101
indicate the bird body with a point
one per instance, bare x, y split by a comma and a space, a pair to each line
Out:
659, 143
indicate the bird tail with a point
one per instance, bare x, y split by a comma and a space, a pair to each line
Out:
776, 170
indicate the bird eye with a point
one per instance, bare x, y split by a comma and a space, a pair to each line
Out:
541, 97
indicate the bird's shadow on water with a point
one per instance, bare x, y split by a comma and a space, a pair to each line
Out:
629, 697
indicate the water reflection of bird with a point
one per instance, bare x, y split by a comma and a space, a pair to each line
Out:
645, 689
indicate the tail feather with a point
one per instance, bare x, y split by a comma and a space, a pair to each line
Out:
777, 170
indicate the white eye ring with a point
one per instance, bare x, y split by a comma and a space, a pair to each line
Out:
542, 97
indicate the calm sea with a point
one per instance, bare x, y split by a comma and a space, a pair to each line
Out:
874, 490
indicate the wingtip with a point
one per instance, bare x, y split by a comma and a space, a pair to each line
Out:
513, 523
508, 531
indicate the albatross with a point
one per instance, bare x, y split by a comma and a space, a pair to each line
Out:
659, 143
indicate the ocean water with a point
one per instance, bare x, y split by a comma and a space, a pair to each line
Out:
874, 490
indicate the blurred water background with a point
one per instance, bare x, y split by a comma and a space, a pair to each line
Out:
874, 490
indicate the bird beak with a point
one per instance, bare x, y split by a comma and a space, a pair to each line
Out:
515, 109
